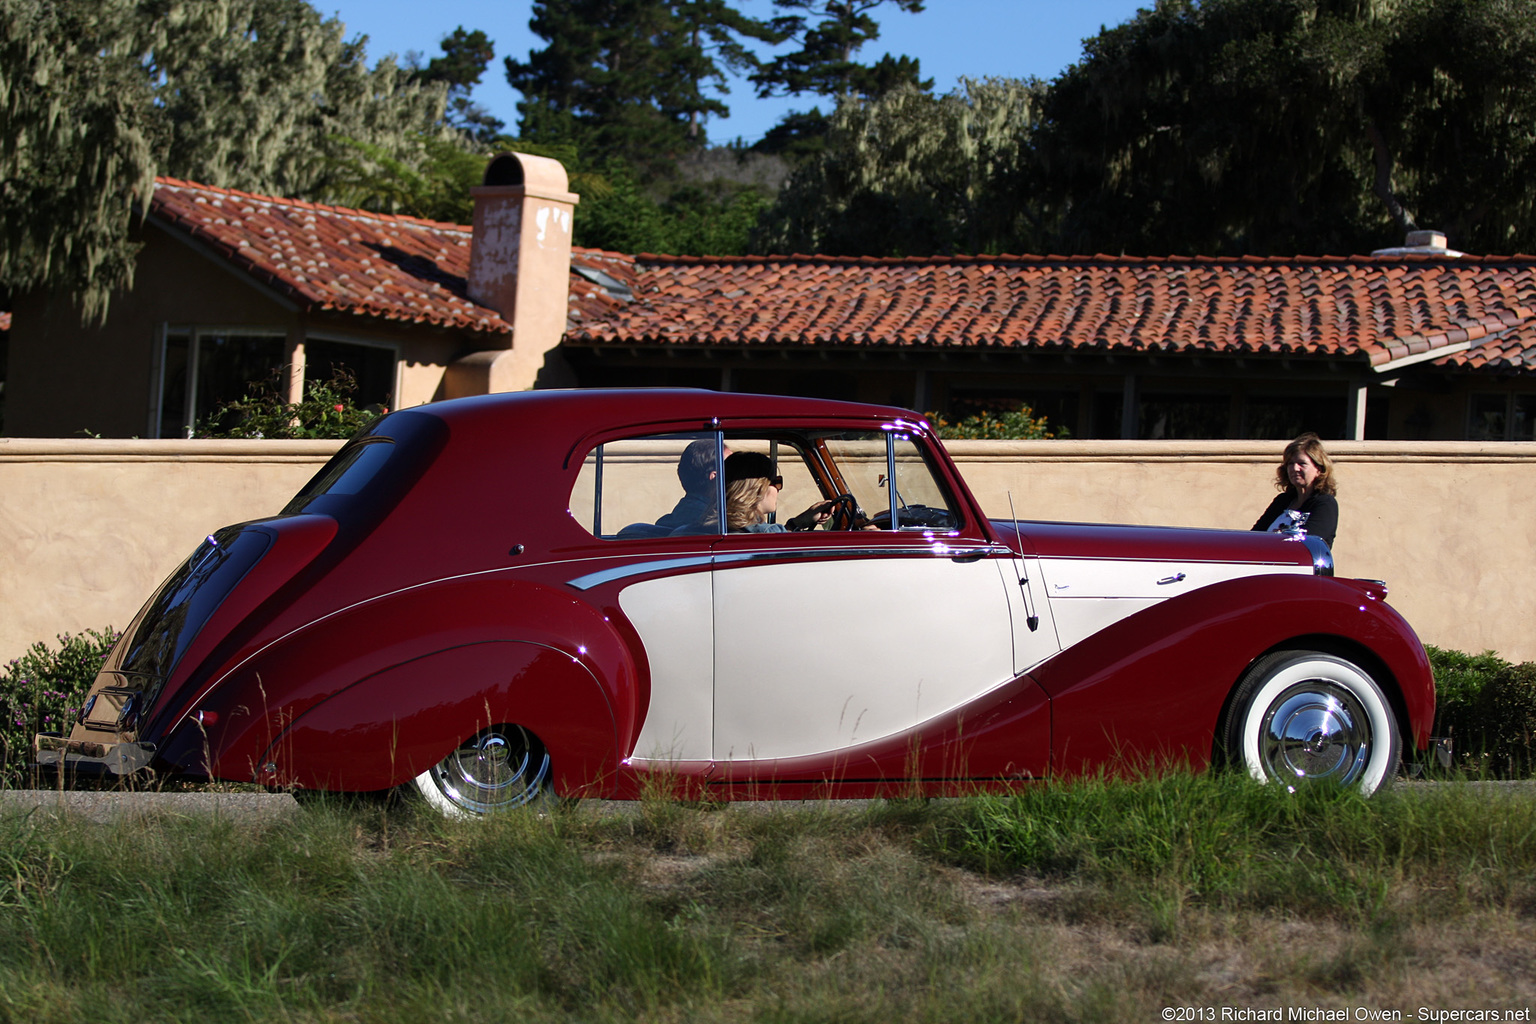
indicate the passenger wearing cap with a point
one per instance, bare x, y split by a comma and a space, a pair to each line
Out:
752, 494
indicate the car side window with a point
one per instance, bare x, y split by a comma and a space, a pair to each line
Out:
868, 462
784, 463
921, 502
655, 485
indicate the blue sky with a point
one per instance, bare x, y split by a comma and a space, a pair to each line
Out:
952, 38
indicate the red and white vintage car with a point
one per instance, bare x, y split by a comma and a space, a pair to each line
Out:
497, 598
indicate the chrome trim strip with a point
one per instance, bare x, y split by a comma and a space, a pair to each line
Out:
937, 549
619, 572
934, 550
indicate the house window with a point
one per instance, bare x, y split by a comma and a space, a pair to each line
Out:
1282, 417
1058, 407
371, 366
1501, 417
1184, 417
203, 369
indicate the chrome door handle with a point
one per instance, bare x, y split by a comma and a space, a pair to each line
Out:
1177, 577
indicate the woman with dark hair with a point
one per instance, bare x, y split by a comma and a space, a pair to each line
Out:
752, 495
1307, 488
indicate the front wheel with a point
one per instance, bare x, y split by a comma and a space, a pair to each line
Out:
501, 768
1304, 717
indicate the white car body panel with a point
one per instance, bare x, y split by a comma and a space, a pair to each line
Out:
674, 616
806, 660
1090, 594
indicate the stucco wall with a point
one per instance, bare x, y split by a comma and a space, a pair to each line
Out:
91, 526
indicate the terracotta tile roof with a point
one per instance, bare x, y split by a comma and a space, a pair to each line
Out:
1377, 308
333, 258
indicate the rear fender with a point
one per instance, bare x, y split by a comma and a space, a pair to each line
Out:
1148, 690
387, 729
258, 700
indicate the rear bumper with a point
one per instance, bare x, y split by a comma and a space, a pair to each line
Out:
55, 753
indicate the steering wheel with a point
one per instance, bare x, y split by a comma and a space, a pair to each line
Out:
924, 517
845, 513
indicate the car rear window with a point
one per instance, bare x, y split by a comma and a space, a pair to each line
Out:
190, 596
348, 472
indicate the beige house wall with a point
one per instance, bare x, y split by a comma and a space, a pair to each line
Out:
92, 526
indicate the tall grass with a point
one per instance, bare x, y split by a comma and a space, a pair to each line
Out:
1220, 842
1093, 901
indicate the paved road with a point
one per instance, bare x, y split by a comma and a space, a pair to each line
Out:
106, 805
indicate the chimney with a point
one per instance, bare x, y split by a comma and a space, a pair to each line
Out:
520, 266
1421, 243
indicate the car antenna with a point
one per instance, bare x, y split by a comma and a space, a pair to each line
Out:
1030, 618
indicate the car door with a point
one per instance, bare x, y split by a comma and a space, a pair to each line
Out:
827, 639
646, 500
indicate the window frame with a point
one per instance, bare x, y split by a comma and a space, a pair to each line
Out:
1511, 401
807, 440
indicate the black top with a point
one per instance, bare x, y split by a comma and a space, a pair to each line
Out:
1322, 510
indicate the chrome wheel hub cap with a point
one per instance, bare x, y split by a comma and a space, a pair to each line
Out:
1315, 730
493, 771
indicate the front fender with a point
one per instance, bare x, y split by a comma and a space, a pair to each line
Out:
385, 730
1150, 688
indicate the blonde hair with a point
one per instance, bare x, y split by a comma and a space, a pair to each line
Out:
742, 498
1311, 446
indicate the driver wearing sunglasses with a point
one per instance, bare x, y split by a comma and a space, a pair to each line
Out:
752, 494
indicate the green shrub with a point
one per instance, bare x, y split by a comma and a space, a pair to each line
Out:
42, 691
1508, 715
1487, 707
1019, 424
327, 411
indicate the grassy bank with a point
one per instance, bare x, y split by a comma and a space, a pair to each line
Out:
1086, 902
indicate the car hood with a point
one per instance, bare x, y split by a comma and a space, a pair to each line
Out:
1151, 543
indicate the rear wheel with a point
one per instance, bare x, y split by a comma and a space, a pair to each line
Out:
503, 767
1304, 718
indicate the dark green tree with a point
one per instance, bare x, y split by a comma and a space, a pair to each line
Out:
825, 63
717, 29
915, 174
460, 68
1451, 121
1312, 126
710, 218
626, 78
798, 135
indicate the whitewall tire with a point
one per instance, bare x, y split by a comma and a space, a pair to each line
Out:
1305, 717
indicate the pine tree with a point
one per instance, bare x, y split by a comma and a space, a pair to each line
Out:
464, 59
825, 63
626, 79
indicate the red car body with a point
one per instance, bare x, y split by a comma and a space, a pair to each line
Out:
449, 577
